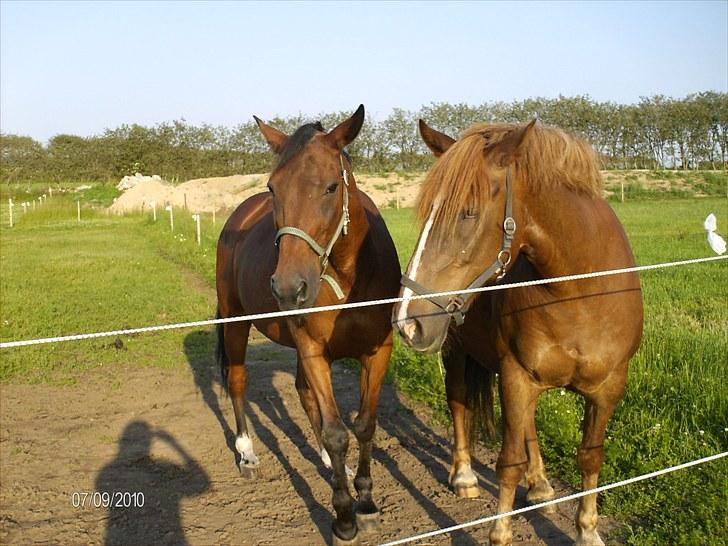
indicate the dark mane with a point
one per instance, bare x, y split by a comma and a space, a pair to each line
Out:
551, 158
297, 142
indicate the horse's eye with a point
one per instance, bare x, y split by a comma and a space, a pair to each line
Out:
270, 189
332, 187
470, 214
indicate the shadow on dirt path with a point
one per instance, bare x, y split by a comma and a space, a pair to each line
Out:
143, 494
401, 431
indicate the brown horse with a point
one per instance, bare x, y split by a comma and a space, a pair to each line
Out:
519, 203
274, 252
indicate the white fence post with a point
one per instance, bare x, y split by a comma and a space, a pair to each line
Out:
168, 208
196, 218
153, 204
10, 209
78, 210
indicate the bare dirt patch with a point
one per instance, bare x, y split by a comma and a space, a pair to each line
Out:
227, 192
167, 434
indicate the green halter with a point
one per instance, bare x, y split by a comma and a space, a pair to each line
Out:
322, 252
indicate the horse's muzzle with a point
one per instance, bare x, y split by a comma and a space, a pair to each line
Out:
422, 339
291, 293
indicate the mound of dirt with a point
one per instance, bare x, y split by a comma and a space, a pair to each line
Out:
227, 192
199, 195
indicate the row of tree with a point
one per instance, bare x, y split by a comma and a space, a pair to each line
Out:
657, 132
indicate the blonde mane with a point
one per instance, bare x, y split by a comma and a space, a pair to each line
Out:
549, 159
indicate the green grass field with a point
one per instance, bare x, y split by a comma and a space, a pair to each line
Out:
61, 277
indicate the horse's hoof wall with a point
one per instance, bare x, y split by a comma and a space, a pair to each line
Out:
249, 472
369, 523
467, 491
336, 541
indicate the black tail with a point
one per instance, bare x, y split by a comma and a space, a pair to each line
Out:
481, 385
220, 354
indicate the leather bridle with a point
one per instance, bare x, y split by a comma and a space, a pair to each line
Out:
456, 306
324, 252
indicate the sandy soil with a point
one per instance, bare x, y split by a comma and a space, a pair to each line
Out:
166, 433
391, 190
225, 193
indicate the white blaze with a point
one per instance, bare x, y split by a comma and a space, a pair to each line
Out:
415, 264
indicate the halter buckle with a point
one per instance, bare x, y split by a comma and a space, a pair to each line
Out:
509, 226
454, 305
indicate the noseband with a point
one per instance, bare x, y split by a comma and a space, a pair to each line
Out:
322, 252
456, 306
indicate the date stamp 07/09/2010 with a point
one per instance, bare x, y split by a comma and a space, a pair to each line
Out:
107, 499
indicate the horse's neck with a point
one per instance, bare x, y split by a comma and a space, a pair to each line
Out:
566, 233
346, 249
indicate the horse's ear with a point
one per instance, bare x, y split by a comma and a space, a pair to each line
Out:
275, 138
437, 142
506, 150
344, 133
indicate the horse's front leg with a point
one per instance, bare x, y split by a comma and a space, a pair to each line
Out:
335, 438
373, 368
310, 406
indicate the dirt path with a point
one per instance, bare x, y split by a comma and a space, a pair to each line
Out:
163, 432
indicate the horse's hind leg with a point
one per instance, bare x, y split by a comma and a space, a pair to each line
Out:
590, 456
236, 343
539, 488
462, 479
373, 369
517, 393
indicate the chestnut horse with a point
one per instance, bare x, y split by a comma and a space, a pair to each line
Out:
519, 203
314, 239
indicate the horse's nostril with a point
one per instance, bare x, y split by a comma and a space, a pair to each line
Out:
302, 292
411, 330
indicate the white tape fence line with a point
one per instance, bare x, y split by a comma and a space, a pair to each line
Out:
559, 500
354, 305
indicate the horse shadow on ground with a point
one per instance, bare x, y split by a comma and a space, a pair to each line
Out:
431, 449
143, 495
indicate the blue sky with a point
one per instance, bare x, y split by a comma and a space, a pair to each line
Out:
81, 67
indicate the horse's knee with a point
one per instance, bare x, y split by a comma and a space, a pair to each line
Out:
364, 427
590, 459
335, 438
509, 473
236, 380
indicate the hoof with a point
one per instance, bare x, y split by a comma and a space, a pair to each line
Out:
466, 491
248, 471
464, 482
369, 523
542, 493
589, 539
336, 541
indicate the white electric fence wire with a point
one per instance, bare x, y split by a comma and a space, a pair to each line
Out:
354, 305
556, 501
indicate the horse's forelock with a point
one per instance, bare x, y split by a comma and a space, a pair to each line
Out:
459, 179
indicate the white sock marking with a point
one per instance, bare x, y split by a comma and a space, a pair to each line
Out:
244, 446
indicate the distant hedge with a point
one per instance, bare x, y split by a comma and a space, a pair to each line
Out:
687, 133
